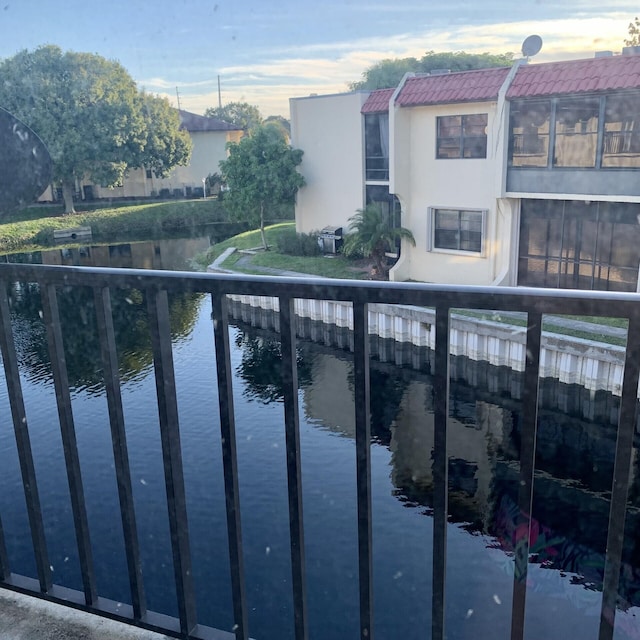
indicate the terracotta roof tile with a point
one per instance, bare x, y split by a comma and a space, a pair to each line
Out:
465, 86
576, 76
378, 101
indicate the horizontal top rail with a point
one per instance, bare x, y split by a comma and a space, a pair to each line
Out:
558, 301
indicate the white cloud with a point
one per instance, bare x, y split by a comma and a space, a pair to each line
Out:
328, 68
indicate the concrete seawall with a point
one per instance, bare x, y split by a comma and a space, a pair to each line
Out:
593, 365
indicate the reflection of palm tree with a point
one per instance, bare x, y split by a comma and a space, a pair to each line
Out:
81, 342
371, 236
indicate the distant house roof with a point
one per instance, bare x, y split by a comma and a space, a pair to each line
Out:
576, 76
193, 122
378, 101
479, 85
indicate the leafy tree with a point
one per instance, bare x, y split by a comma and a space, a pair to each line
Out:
634, 33
90, 114
371, 236
388, 73
462, 61
166, 145
260, 174
281, 123
242, 114
213, 183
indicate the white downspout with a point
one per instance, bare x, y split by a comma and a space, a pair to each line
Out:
501, 151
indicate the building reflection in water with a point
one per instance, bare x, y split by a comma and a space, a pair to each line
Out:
574, 465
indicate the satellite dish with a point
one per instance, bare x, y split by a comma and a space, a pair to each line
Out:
25, 164
531, 46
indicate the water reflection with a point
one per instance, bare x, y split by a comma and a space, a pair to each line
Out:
173, 254
574, 470
574, 462
81, 342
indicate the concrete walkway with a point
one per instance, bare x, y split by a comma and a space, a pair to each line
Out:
28, 618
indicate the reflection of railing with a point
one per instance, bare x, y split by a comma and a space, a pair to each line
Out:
621, 142
156, 286
377, 168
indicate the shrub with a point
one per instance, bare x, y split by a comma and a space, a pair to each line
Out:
298, 244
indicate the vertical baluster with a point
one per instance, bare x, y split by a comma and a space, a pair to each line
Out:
5, 571
440, 472
292, 429
363, 464
109, 355
527, 467
621, 473
63, 398
158, 307
230, 464
23, 443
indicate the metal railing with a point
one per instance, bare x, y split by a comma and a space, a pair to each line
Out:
156, 286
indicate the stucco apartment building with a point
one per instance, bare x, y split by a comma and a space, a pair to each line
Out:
209, 136
528, 175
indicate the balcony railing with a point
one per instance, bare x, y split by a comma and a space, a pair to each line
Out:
156, 286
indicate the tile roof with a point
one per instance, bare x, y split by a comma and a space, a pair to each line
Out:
378, 101
465, 86
193, 122
576, 76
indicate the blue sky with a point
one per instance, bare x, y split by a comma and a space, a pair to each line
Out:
267, 52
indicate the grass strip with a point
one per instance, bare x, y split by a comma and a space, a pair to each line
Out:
132, 221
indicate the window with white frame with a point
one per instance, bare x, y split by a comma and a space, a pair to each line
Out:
457, 230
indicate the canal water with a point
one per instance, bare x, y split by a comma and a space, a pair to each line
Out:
574, 461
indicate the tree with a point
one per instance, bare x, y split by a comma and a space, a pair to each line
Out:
634, 33
260, 174
462, 61
282, 123
371, 236
90, 114
241, 114
388, 73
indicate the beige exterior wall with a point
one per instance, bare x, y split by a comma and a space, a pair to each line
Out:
422, 182
209, 148
329, 129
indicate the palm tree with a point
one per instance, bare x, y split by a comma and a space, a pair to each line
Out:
370, 235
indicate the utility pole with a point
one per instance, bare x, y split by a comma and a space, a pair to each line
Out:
219, 95
178, 96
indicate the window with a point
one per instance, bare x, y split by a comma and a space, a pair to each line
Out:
580, 137
576, 133
579, 245
462, 136
621, 144
149, 174
376, 139
530, 134
457, 230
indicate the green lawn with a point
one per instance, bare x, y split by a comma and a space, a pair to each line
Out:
33, 227
327, 267
548, 325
